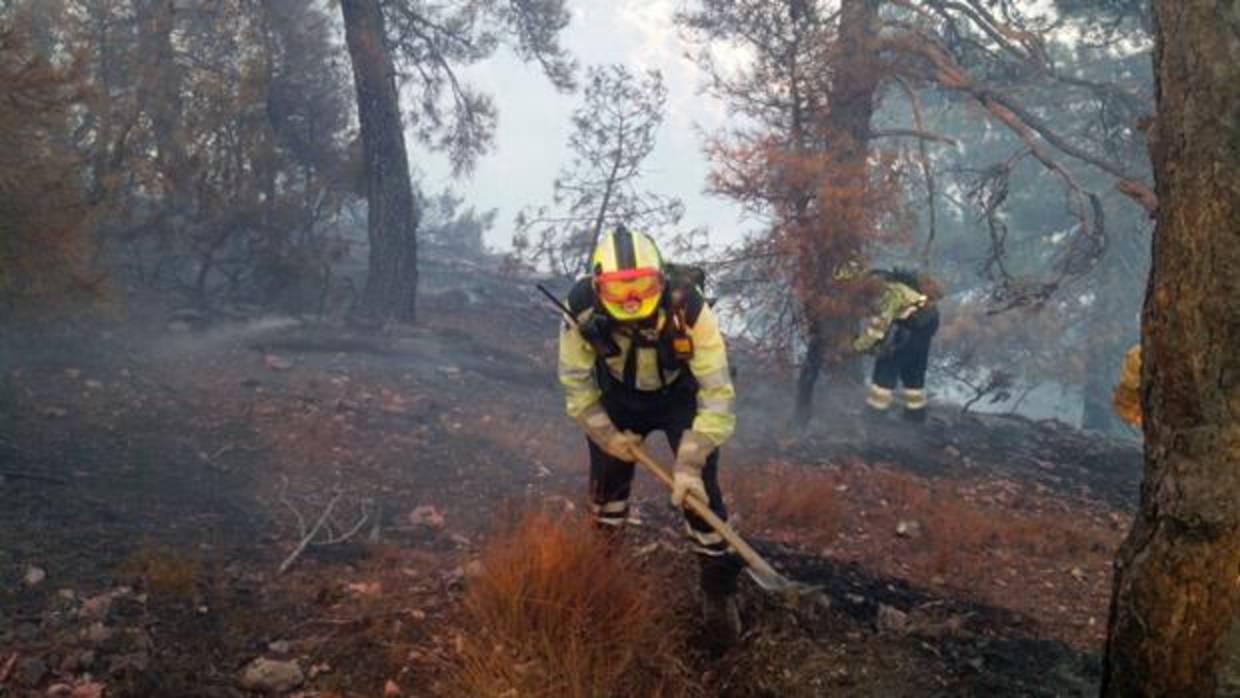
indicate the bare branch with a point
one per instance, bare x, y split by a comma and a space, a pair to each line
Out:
914, 133
363, 518
283, 497
305, 541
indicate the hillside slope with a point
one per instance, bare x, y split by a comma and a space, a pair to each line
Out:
156, 478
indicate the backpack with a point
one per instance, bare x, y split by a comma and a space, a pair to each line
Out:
684, 276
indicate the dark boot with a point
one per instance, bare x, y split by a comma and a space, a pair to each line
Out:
721, 619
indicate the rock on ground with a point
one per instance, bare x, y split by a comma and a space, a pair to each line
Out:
271, 676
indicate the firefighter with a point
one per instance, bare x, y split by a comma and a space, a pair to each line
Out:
898, 333
641, 355
1127, 396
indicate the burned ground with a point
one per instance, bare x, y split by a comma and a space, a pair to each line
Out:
152, 473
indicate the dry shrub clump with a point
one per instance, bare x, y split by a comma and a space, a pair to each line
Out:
960, 536
964, 537
555, 613
898, 490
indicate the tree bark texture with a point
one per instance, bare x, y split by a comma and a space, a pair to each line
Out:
1174, 613
846, 130
807, 377
392, 217
160, 97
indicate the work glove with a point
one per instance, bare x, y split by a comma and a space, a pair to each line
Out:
603, 432
687, 483
620, 444
687, 473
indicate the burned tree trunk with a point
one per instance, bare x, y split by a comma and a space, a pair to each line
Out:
392, 218
1175, 613
846, 131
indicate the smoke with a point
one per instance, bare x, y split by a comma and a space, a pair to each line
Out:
212, 340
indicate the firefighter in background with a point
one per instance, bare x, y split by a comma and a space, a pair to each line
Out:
1127, 396
641, 355
898, 332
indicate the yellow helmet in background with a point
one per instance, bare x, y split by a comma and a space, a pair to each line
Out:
850, 270
628, 274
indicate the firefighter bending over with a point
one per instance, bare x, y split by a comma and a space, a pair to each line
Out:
898, 332
645, 354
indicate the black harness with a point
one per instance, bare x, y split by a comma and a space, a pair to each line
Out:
673, 347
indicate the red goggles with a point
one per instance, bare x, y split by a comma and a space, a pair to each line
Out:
629, 284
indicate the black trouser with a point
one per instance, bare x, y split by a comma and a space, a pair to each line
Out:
671, 411
906, 362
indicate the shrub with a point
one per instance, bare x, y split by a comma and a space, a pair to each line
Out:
556, 612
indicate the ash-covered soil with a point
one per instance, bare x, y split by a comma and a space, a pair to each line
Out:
158, 474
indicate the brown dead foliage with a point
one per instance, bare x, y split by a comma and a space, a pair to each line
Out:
992, 539
555, 613
959, 536
781, 497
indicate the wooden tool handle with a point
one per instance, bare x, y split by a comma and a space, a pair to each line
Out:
697, 506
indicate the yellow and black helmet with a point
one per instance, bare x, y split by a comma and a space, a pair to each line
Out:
628, 274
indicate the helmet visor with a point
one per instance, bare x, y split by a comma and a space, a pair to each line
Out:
629, 285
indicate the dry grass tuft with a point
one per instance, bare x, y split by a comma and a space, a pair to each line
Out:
167, 574
785, 498
554, 614
897, 490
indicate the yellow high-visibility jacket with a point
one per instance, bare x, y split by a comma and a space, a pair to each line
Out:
897, 302
716, 396
1127, 397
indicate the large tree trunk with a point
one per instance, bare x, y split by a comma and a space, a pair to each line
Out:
846, 131
392, 218
807, 377
1174, 626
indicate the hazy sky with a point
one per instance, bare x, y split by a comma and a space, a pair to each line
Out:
530, 144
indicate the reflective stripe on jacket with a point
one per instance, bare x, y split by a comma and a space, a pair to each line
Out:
715, 417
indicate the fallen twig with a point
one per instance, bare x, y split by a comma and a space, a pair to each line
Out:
8, 667
333, 539
305, 541
377, 520
301, 521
